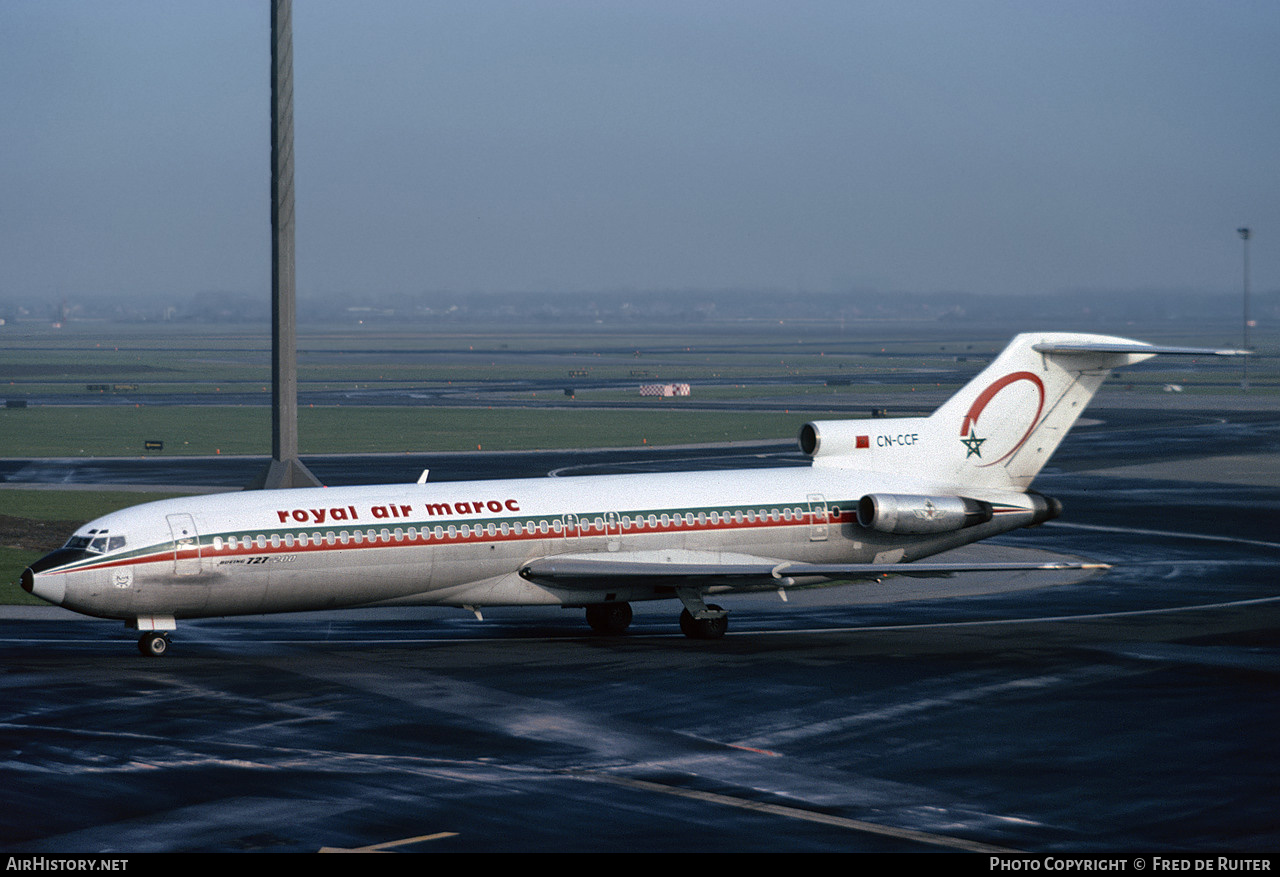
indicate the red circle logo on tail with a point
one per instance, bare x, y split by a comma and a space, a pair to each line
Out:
969, 437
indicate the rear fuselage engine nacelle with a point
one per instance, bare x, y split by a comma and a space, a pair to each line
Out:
911, 514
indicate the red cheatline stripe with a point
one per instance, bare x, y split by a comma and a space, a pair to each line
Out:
162, 554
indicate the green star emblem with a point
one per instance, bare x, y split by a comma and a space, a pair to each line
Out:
974, 444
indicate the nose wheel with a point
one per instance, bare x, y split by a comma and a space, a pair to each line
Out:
153, 643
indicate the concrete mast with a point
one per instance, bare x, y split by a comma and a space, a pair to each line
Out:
285, 469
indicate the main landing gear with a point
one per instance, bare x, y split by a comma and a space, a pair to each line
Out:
698, 620
712, 626
153, 643
701, 620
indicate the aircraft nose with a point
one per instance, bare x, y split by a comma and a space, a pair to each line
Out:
50, 588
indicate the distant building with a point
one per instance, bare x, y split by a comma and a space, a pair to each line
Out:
664, 390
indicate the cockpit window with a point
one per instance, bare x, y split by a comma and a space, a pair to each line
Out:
96, 541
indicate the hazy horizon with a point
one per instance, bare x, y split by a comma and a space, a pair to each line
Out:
995, 148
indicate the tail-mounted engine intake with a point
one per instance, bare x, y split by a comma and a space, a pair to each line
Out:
810, 439
905, 513
837, 440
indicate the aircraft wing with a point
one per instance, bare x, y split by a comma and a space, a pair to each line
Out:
694, 569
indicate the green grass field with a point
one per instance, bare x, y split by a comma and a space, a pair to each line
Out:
73, 431
64, 510
12, 562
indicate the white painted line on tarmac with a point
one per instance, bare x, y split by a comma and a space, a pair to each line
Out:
907, 834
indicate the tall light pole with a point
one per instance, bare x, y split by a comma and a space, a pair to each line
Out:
285, 469
1244, 236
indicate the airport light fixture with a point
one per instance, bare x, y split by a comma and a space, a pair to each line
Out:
285, 469
1245, 234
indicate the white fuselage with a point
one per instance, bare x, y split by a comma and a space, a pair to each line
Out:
878, 493
462, 543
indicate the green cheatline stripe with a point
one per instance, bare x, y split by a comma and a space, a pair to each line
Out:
161, 551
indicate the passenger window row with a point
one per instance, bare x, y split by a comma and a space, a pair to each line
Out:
597, 524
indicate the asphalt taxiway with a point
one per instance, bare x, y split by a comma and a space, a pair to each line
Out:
1129, 711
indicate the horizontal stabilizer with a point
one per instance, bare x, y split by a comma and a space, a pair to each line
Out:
1068, 348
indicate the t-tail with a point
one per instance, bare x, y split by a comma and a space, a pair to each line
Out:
1001, 428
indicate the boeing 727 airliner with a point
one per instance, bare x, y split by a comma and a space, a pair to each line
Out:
880, 496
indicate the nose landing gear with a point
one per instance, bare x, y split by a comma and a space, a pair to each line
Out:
153, 643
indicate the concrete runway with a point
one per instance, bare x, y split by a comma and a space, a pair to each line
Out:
1132, 711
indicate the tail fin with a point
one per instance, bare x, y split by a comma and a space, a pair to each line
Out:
1001, 428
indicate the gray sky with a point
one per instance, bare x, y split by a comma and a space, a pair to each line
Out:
1006, 147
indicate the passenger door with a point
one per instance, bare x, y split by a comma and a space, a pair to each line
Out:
186, 544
